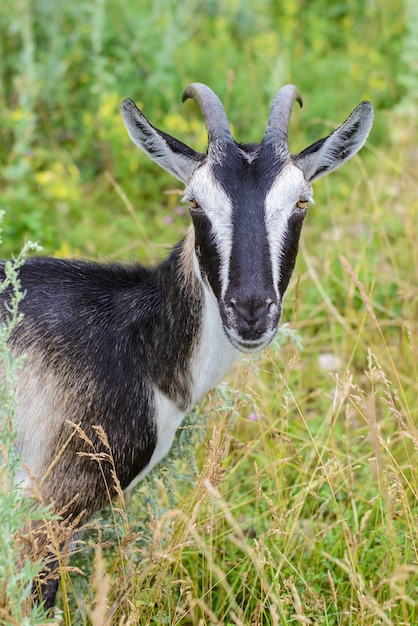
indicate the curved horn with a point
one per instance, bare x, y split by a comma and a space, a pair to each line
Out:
217, 123
278, 123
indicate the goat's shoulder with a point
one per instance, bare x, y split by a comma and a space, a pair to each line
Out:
75, 274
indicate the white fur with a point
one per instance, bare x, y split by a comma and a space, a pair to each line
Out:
215, 203
168, 418
38, 422
213, 358
215, 354
281, 201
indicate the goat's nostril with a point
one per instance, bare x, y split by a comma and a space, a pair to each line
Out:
251, 311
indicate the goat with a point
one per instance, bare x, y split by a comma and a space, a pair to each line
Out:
131, 349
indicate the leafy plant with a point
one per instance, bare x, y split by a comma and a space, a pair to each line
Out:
17, 510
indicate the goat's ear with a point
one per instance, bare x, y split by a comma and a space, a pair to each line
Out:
170, 153
329, 153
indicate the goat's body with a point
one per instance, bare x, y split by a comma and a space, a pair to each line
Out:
115, 356
162, 354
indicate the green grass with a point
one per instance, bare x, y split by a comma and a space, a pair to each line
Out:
304, 505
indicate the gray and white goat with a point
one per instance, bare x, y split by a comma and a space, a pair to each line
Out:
132, 349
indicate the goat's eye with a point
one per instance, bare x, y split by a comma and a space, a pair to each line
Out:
194, 205
302, 204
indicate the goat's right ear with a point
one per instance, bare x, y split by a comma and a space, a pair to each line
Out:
170, 153
329, 153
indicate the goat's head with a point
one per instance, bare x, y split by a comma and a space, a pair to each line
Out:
248, 203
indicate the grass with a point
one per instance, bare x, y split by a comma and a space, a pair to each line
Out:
302, 506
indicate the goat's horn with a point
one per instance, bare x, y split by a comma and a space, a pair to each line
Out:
217, 123
281, 109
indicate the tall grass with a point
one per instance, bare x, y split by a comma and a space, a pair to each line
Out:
17, 510
297, 501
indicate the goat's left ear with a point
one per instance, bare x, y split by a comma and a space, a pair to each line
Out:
170, 153
329, 153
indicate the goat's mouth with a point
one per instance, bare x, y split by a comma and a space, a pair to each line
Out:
247, 345
250, 328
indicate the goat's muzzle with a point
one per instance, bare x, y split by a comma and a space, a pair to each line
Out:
250, 323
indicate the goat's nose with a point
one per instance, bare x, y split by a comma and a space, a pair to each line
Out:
251, 314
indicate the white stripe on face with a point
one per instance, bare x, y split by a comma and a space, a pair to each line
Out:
289, 186
217, 206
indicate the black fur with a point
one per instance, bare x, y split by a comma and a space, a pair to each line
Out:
108, 334
108, 344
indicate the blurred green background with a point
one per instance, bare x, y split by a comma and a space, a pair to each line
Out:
69, 176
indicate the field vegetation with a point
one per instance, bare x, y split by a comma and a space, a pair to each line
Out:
291, 495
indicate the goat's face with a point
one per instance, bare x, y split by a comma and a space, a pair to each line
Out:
247, 211
248, 203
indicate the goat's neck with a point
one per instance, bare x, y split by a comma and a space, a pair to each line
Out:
199, 354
